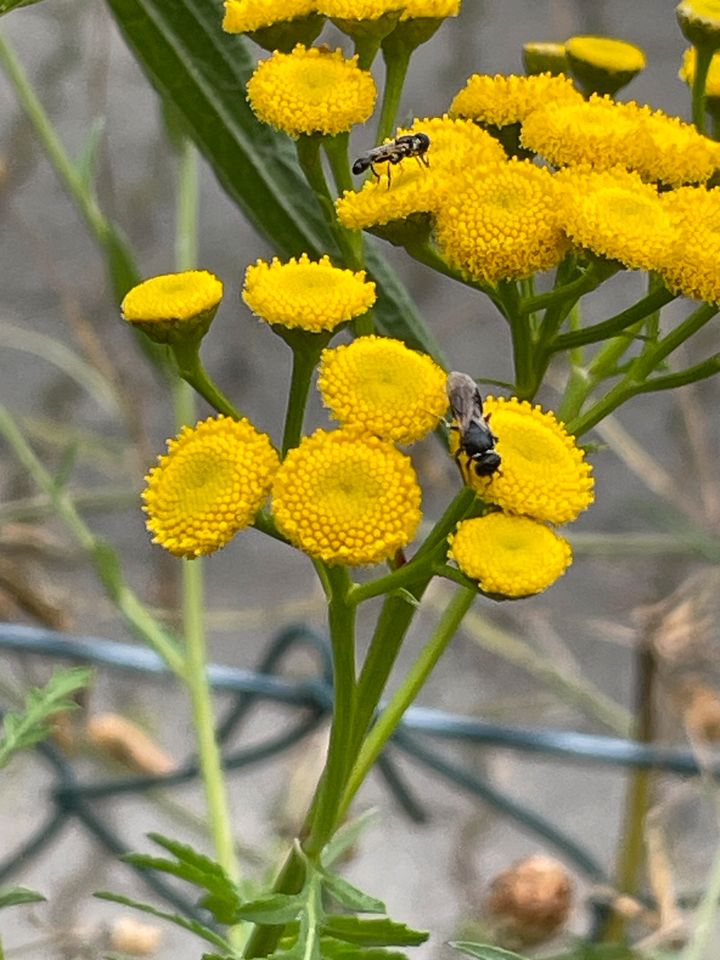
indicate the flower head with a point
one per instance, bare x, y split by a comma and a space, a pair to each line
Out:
455, 145
174, 306
692, 266
433, 9
603, 133
687, 72
210, 484
306, 294
379, 385
502, 224
603, 64
502, 100
311, 91
244, 16
616, 215
347, 498
509, 556
544, 473
359, 9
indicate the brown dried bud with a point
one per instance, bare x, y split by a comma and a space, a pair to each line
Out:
531, 900
126, 742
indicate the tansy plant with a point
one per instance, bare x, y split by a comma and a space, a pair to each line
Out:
537, 191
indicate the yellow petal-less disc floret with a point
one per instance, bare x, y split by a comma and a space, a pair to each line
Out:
455, 146
359, 9
311, 90
433, 9
379, 385
502, 224
306, 294
210, 484
543, 473
693, 268
347, 498
174, 306
244, 16
502, 100
603, 133
617, 215
509, 556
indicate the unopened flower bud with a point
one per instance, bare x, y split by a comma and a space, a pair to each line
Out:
700, 22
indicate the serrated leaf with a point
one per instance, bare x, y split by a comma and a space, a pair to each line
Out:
194, 926
484, 951
336, 950
202, 72
373, 933
12, 896
276, 909
350, 896
31, 724
347, 835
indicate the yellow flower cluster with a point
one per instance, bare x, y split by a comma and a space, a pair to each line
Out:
244, 16
543, 479
502, 100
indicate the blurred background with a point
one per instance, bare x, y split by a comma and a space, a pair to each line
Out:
657, 492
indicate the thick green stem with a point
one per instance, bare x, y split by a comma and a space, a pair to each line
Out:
341, 622
392, 714
590, 279
336, 150
703, 57
397, 59
308, 151
305, 358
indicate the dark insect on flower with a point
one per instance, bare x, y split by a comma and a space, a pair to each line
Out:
477, 441
409, 145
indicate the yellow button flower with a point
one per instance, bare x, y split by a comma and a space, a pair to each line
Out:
543, 473
502, 223
244, 16
603, 64
174, 306
502, 100
210, 484
380, 386
306, 294
693, 266
687, 73
311, 91
604, 134
617, 215
347, 498
509, 556
359, 9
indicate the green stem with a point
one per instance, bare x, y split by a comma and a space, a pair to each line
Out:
104, 559
397, 59
596, 273
209, 756
703, 57
306, 348
611, 327
336, 150
191, 370
699, 371
308, 151
341, 621
631, 847
406, 694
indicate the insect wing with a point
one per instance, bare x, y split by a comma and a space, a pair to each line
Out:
465, 399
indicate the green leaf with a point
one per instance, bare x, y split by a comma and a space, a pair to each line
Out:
336, 950
482, 951
202, 72
12, 896
347, 836
351, 897
276, 909
30, 725
7, 5
86, 163
373, 933
194, 926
